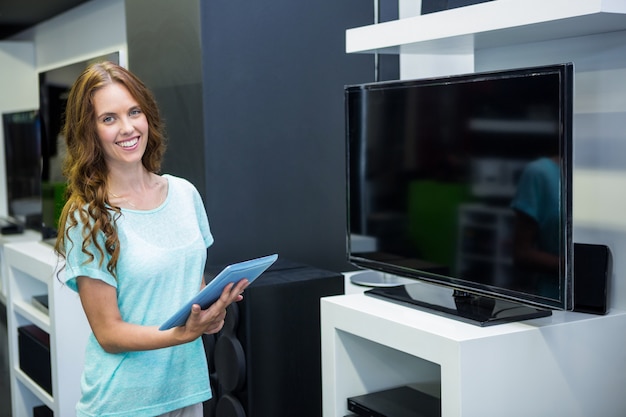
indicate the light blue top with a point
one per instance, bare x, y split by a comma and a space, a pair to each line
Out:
538, 194
163, 254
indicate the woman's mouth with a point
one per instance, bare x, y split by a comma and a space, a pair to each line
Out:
128, 143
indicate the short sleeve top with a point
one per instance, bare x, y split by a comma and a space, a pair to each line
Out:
162, 259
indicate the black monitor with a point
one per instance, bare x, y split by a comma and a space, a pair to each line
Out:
464, 181
22, 150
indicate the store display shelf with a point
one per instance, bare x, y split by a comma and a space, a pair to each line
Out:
488, 25
33, 315
34, 388
32, 272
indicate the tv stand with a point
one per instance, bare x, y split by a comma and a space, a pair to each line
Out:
569, 364
460, 305
367, 278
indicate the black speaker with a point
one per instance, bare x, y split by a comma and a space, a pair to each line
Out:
592, 266
266, 361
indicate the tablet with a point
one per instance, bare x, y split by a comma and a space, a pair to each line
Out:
250, 270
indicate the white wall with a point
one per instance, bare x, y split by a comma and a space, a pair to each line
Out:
94, 28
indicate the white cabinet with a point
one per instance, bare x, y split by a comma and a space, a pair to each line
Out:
31, 270
569, 364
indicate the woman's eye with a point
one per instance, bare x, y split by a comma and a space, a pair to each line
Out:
107, 119
135, 112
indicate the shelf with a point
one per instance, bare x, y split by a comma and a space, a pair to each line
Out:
34, 387
35, 316
35, 259
27, 236
31, 270
489, 25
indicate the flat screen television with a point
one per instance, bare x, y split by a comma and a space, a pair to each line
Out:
22, 150
464, 181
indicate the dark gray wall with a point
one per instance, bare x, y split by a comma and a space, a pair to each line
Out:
164, 51
273, 83
252, 93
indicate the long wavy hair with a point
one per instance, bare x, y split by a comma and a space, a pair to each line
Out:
84, 166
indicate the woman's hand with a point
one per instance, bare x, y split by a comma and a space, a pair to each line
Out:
211, 320
115, 335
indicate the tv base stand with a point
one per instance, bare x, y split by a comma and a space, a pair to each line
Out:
469, 308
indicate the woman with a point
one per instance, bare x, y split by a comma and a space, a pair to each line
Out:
134, 244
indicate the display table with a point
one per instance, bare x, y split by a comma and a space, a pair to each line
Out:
569, 364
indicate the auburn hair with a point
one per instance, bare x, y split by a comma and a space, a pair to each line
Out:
87, 203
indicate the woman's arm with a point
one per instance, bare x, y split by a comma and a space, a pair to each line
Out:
99, 301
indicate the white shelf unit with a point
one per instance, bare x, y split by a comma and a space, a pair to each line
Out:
26, 236
31, 268
489, 25
569, 364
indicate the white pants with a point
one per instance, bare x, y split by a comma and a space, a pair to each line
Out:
191, 411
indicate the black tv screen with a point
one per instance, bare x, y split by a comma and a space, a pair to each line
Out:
465, 181
22, 150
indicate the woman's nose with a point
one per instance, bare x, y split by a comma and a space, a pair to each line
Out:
126, 126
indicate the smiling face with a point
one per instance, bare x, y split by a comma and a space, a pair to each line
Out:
121, 125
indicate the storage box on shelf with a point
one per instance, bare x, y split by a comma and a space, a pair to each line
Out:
34, 355
32, 271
